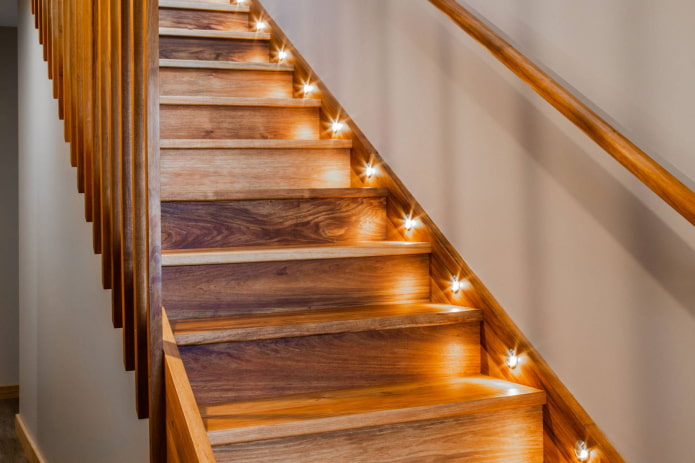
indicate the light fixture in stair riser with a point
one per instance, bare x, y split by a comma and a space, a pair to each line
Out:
308, 88
369, 171
581, 451
337, 127
240, 2
512, 359
261, 25
409, 223
283, 55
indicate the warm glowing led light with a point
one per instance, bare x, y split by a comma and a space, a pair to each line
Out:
512, 359
370, 171
261, 25
456, 284
337, 127
409, 223
240, 2
283, 55
308, 89
581, 451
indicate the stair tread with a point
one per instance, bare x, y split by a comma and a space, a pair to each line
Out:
275, 194
248, 254
203, 6
240, 101
268, 143
362, 407
233, 65
314, 322
213, 34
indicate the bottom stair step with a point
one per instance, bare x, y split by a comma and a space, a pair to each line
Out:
325, 412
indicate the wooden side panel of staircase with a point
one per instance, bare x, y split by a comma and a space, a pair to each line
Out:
219, 290
511, 436
250, 370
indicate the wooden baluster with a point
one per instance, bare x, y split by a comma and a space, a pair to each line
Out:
96, 126
116, 161
105, 98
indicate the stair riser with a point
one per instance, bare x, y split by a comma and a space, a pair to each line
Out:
206, 20
254, 51
247, 223
509, 436
247, 122
226, 170
220, 290
250, 370
218, 82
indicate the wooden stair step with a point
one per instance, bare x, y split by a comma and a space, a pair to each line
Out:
230, 65
276, 194
315, 322
283, 221
200, 82
198, 16
362, 407
255, 254
240, 101
206, 6
255, 144
213, 34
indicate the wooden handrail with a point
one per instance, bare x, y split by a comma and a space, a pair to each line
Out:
651, 173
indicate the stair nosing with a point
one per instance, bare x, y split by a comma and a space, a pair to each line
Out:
301, 323
213, 34
231, 65
204, 6
270, 143
257, 254
276, 194
508, 396
239, 101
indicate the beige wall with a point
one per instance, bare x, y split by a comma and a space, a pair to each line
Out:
77, 400
9, 298
592, 266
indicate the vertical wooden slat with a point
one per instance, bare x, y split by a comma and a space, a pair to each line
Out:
105, 98
60, 58
87, 69
116, 159
80, 102
127, 187
67, 77
96, 127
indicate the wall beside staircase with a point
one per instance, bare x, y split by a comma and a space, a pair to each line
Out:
77, 400
595, 269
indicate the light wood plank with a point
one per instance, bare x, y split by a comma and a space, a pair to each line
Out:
233, 65
240, 101
256, 144
223, 5
275, 194
198, 19
209, 49
27, 441
209, 34
198, 82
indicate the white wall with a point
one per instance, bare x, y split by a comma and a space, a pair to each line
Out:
77, 400
595, 269
9, 297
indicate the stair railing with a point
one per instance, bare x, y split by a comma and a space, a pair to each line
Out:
648, 171
103, 60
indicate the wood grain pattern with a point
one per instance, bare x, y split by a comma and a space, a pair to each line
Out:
268, 144
275, 194
211, 49
220, 290
205, 172
232, 65
203, 19
246, 254
651, 173
204, 5
227, 372
225, 83
508, 436
238, 122
239, 102
213, 34
187, 225
363, 407
9, 392
312, 322
187, 440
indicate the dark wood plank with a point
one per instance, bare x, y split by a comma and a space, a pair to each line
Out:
278, 367
202, 19
218, 290
239, 122
256, 51
248, 223
225, 82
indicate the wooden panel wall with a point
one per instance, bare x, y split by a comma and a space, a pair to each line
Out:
103, 58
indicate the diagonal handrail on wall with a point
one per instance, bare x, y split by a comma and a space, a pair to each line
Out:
639, 163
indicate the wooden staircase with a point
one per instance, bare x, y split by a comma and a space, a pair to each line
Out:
302, 319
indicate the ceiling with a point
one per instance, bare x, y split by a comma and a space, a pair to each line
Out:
8, 13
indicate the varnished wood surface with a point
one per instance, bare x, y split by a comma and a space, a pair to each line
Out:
9, 392
232, 65
198, 172
217, 224
240, 101
222, 290
214, 49
212, 34
236, 371
198, 19
651, 173
207, 5
31, 451
267, 144
363, 407
239, 122
186, 437
247, 254
199, 82
477, 438
314, 322
277, 194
